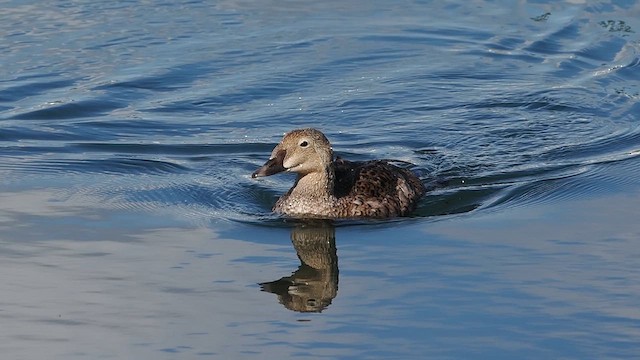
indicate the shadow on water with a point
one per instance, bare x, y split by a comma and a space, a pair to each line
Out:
313, 286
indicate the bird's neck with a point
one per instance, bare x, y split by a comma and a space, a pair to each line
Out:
315, 184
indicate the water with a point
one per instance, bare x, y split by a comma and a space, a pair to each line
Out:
130, 226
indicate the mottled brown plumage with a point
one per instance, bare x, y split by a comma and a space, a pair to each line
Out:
328, 188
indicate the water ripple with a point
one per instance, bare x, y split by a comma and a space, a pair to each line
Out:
98, 166
21, 89
71, 110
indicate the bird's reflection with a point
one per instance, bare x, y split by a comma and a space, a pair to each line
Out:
313, 286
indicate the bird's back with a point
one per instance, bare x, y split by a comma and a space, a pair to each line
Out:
375, 189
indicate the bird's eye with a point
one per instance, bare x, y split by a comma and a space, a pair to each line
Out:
304, 144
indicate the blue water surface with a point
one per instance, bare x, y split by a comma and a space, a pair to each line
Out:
130, 226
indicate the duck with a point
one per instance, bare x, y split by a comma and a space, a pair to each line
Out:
329, 187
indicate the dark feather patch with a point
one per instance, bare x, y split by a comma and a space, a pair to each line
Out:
375, 188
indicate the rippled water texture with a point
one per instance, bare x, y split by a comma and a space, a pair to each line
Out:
130, 226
